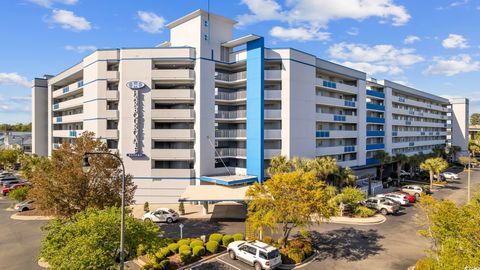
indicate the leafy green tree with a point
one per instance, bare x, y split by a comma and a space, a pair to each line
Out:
288, 201
474, 147
301, 164
475, 119
279, 164
344, 177
401, 160
383, 158
62, 188
464, 160
19, 194
325, 166
434, 166
91, 239
17, 127
453, 151
438, 150
8, 157
453, 231
29, 164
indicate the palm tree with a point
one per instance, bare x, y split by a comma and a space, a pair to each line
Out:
279, 164
301, 164
434, 166
401, 159
345, 177
324, 166
382, 158
474, 147
438, 150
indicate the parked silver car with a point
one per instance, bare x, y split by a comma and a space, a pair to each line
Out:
24, 206
382, 205
399, 198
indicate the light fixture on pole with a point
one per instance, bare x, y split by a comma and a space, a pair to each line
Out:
85, 164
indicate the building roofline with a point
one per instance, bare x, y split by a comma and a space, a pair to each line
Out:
197, 13
413, 91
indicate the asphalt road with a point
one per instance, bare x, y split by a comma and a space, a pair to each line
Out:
19, 240
393, 244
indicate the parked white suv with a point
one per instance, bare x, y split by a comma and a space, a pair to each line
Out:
161, 215
450, 175
255, 253
404, 173
396, 197
414, 190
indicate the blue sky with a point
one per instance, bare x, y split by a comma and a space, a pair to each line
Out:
430, 45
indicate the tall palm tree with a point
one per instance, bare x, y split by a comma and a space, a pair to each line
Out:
301, 164
474, 147
434, 166
454, 150
438, 150
324, 166
382, 158
279, 164
345, 177
401, 159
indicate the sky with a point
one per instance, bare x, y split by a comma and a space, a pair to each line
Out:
431, 45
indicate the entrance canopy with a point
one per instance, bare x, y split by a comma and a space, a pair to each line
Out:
229, 180
213, 193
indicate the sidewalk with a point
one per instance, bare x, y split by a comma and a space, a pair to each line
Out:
224, 210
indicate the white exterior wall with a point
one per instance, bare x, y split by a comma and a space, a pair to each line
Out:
460, 123
40, 116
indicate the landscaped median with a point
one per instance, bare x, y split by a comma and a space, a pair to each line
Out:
374, 220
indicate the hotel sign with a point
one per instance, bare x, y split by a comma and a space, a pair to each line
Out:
136, 86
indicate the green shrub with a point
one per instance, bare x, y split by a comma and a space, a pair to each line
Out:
295, 243
268, 240
184, 248
362, 211
238, 237
141, 250
227, 239
196, 243
212, 246
280, 241
148, 266
217, 237
296, 255
164, 264
19, 194
186, 256
185, 241
166, 251
198, 251
174, 247
307, 249
425, 264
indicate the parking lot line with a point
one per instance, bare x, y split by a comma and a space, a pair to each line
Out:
222, 261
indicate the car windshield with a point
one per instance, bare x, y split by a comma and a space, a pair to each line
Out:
273, 254
171, 211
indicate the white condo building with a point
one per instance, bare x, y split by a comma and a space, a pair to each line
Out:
208, 108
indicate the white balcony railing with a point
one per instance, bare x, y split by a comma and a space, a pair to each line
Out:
173, 74
173, 114
231, 114
273, 114
173, 154
230, 133
172, 94
176, 134
231, 152
174, 173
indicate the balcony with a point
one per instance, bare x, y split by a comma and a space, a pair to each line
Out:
326, 117
416, 143
375, 94
418, 103
66, 133
113, 75
335, 102
397, 122
173, 114
172, 94
73, 118
173, 154
345, 88
112, 114
371, 161
231, 77
230, 152
173, 173
112, 95
269, 153
173, 74
68, 90
347, 163
334, 150
273, 74
240, 114
231, 133
336, 134
175, 134
68, 104
377, 120
273, 95
231, 96
273, 114
272, 133
373, 106
375, 146
111, 133
375, 133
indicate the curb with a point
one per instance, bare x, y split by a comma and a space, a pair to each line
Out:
202, 260
18, 217
305, 262
42, 263
375, 220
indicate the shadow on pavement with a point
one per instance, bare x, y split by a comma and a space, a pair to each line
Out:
192, 228
347, 243
451, 187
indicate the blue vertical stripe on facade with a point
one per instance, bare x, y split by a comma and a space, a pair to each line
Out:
255, 114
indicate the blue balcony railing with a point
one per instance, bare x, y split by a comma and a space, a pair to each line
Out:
73, 133
375, 146
59, 119
349, 148
342, 118
422, 133
349, 103
375, 94
394, 133
411, 144
56, 106
408, 123
329, 84
375, 133
323, 134
377, 120
371, 161
80, 84
65, 89
401, 99
373, 106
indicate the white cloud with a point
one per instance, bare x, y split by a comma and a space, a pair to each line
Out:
299, 34
15, 105
14, 78
383, 58
49, 3
150, 22
455, 41
459, 3
461, 63
69, 21
353, 31
411, 39
320, 13
80, 48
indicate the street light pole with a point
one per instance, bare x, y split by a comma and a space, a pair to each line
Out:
469, 169
86, 168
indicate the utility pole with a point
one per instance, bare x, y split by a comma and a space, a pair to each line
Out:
469, 169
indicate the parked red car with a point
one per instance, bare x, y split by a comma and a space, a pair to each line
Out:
411, 198
11, 187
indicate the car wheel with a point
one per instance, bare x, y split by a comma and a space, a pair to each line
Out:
147, 220
417, 196
383, 211
232, 255
257, 266
24, 209
169, 220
